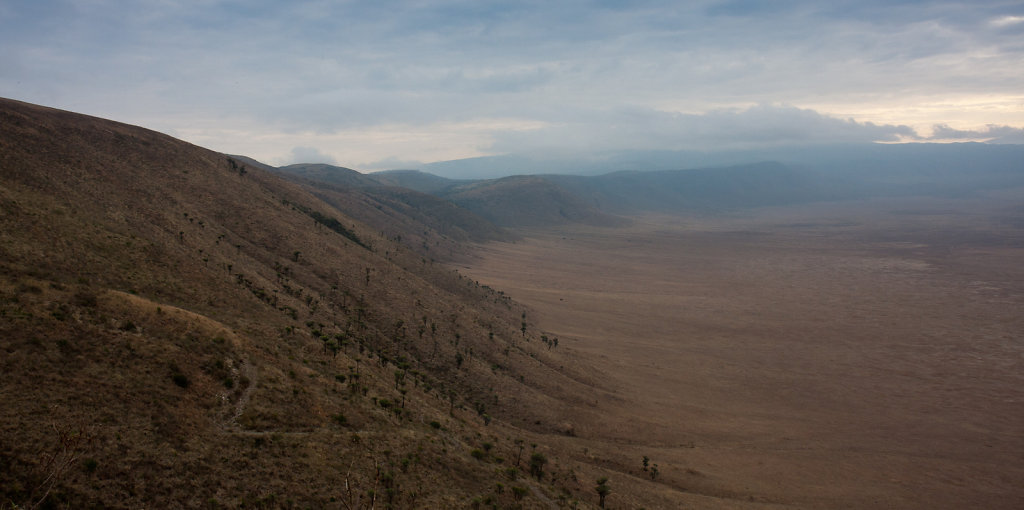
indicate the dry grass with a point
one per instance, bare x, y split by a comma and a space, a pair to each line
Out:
844, 356
184, 315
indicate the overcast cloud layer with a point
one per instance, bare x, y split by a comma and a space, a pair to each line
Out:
374, 84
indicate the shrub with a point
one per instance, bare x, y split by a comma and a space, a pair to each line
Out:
537, 462
181, 380
602, 489
518, 492
85, 299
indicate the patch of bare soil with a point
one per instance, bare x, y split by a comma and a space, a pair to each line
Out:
861, 355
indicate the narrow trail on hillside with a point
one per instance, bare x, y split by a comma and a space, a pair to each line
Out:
543, 497
245, 371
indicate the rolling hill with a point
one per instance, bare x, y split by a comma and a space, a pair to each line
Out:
432, 226
528, 201
182, 328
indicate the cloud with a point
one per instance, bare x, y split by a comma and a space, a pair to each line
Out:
588, 73
391, 163
1005, 21
991, 134
644, 129
310, 155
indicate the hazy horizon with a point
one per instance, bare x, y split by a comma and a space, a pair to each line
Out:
381, 87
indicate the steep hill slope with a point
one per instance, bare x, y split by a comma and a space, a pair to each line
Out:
432, 226
416, 180
717, 183
330, 174
544, 200
535, 200
705, 189
528, 201
183, 329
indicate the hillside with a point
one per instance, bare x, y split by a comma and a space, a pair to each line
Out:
703, 189
415, 180
469, 210
330, 174
183, 329
528, 201
564, 191
431, 226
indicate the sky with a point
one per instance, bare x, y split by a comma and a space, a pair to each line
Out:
394, 84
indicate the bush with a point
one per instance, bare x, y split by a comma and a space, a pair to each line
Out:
85, 299
537, 462
181, 380
518, 492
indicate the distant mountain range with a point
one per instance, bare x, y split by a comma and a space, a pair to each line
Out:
827, 158
815, 174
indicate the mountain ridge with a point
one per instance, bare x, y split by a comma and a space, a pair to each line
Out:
183, 328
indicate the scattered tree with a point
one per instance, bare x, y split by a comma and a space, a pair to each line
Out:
518, 492
602, 489
537, 462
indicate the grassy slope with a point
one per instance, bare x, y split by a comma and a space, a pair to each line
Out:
528, 201
178, 311
433, 227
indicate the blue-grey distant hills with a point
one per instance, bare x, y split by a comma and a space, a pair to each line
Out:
534, 197
827, 157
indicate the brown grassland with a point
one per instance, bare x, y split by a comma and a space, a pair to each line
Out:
855, 355
179, 329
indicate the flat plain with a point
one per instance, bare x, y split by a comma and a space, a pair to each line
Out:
848, 355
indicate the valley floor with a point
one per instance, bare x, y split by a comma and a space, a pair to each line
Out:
856, 355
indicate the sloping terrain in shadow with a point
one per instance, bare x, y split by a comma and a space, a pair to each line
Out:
181, 328
696, 190
432, 226
524, 201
